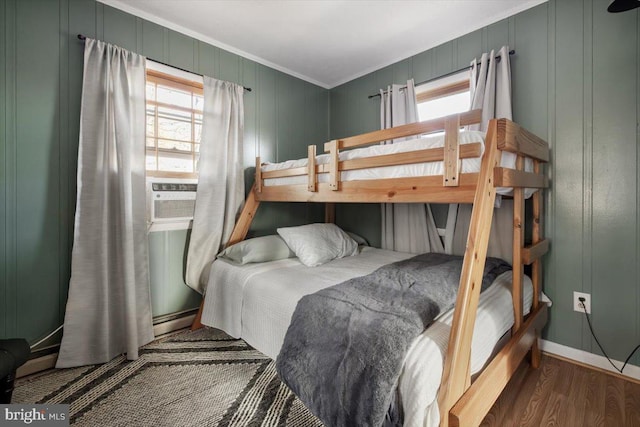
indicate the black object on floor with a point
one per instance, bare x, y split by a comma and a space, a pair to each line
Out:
13, 354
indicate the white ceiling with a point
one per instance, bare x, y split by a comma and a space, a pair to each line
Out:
326, 42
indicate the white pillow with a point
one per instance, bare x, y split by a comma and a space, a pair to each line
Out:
258, 249
316, 244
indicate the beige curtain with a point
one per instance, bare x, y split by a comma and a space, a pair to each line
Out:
491, 86
500, 238
108, 310
220, 192
406, 227
491, 92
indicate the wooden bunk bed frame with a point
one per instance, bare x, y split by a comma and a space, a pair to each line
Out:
461, 402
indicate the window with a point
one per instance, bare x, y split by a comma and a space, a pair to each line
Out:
448, 95
174, 125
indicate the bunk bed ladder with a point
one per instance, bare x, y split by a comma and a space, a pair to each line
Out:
456, 374
462, 403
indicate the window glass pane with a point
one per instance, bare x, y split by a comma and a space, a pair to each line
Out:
175, 162
175, 145
151, 160
444, 106
172, 129
151, 122
151, 91
198, 102
174, 114
169, 95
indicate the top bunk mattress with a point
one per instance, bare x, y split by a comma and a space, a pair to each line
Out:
470, 165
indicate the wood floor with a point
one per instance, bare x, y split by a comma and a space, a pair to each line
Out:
563, 394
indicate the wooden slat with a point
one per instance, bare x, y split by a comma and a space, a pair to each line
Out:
456, 368
518, 245
515, 139
505, 177
442, 91
258, 181
311, 168
534, 252
284, 173
476, 402
174, 81
411, 129
397, 190
467, 151
334, 174
451, 151
409, 157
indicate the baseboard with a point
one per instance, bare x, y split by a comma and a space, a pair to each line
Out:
173, 325
48, 361
33, 366
585, 358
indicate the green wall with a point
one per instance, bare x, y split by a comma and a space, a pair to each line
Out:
576, 82
40, 89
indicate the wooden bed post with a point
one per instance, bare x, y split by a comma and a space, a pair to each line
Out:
451, 152
257, 185
518, 246
238, 234
312, 180
456, 378
536, 268
330, 213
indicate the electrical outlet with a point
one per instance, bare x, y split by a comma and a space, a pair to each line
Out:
577, 305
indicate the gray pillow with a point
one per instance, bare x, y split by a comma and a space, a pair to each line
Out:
316, 244
358, 238
258, 249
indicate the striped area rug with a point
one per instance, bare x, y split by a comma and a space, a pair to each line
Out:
199, 378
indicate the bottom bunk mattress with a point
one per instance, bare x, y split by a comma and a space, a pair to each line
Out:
256, 301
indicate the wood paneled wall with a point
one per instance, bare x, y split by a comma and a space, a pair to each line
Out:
576, 82
40, 89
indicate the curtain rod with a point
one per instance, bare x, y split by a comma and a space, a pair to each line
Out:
83, 38
511, 52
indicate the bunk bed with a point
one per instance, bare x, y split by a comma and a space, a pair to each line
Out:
464, 168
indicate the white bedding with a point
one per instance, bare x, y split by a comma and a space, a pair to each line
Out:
256, 302
470, 165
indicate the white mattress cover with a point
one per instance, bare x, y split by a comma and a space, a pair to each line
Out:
471, 165
256, 301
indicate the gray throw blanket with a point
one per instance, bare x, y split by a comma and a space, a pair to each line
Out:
344, 349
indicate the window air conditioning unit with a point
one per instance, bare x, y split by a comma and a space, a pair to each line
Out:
172, 201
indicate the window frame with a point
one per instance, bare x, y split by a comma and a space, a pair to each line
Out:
180, 83
443, 87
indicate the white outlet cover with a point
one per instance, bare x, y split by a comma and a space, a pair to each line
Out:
576, 302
